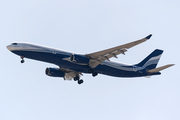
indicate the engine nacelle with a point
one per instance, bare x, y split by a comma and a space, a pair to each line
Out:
54, 72
79, 59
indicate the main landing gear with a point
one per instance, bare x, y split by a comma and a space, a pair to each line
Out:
93, 72
22, 61
77, 78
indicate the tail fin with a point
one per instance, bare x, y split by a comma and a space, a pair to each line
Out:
151, 61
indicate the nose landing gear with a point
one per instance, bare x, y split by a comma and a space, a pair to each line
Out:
22, 61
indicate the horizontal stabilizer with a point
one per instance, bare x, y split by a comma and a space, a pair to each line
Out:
159, 68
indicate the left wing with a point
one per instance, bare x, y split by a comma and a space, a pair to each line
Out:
98, 57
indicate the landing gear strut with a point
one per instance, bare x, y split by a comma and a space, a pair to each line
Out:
77, 78
22, 61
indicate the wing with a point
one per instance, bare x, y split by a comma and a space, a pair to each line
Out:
98, 57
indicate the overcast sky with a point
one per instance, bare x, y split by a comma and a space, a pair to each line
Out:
86, 26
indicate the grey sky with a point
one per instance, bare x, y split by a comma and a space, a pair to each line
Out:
86, 26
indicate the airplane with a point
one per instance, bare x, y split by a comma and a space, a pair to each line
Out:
72, 65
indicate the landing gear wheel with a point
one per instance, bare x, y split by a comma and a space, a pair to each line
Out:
76, 78
94, 74
80, 81
22, 61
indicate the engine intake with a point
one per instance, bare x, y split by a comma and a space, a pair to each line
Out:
54, 72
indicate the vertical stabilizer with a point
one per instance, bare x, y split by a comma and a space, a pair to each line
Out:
151, 61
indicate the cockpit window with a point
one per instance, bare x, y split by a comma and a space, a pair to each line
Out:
14, 43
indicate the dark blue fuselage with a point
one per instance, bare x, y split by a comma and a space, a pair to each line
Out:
104, 68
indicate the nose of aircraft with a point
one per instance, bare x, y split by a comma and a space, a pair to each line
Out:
8, 47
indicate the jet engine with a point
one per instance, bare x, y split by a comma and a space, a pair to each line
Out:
79, 59
54, 72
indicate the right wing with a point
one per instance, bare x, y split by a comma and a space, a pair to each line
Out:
98, 57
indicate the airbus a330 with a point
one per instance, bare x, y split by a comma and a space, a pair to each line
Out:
72, 65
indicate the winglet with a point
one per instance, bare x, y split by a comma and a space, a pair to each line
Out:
148, 37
